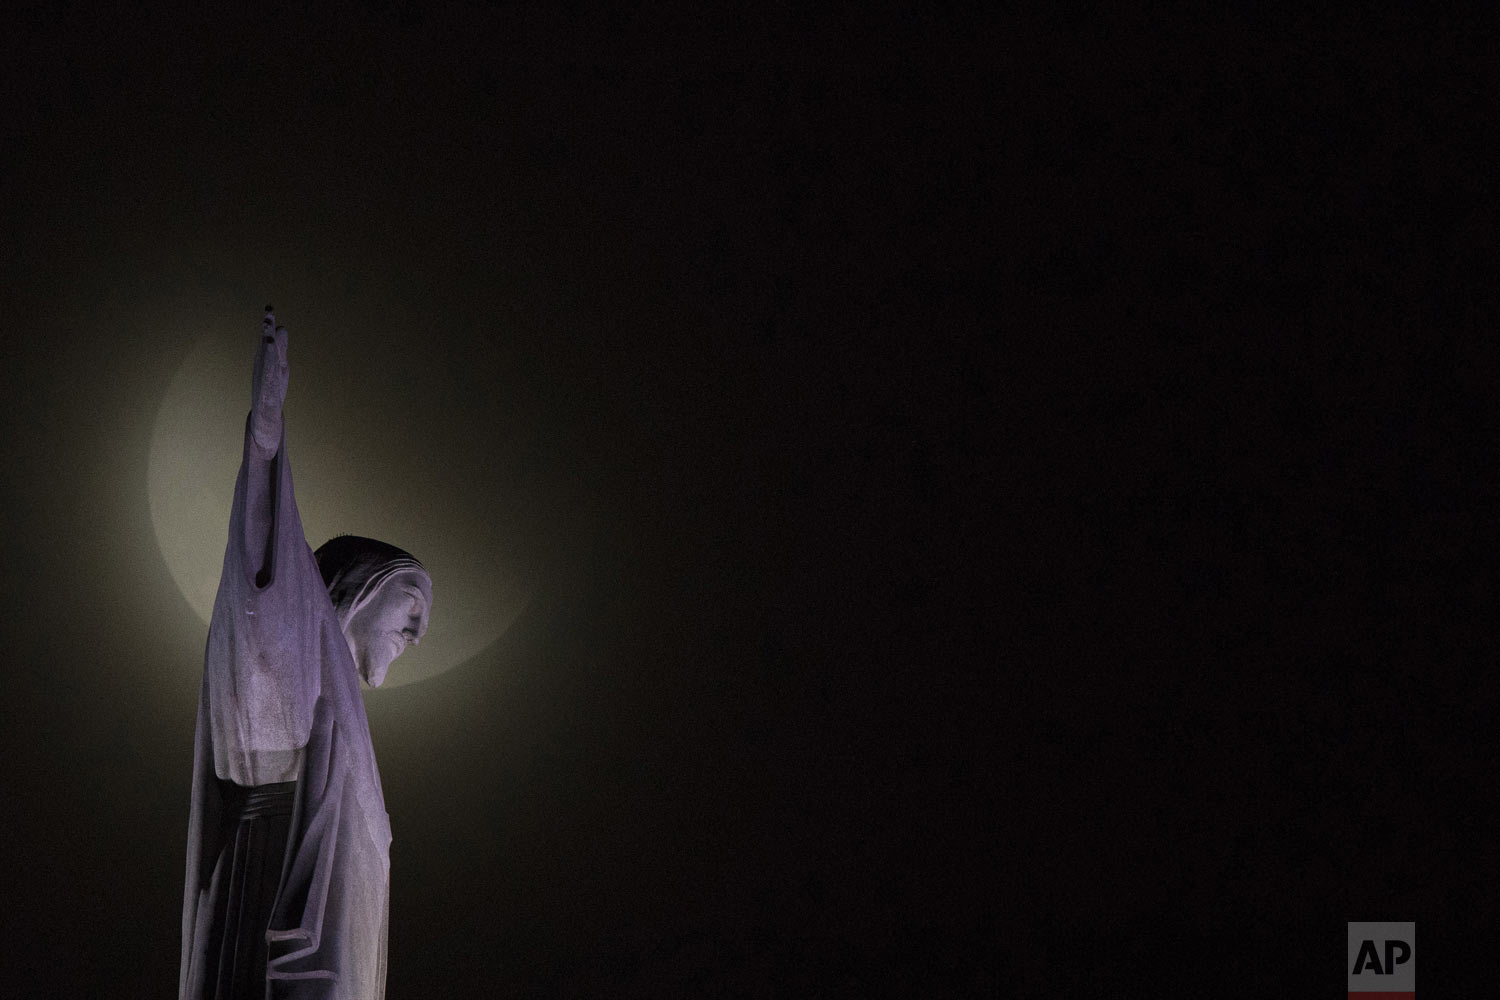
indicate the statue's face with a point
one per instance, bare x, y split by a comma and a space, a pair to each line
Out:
396, 617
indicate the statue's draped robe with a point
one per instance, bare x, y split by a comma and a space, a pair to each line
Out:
281, 701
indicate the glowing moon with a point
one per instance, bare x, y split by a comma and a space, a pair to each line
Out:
362, 463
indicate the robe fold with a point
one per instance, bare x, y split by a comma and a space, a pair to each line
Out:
280, 701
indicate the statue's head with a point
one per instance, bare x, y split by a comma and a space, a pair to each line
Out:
382, 597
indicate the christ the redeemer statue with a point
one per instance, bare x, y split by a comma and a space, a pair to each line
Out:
288, 854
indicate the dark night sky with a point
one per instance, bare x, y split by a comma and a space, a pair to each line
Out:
1010, 491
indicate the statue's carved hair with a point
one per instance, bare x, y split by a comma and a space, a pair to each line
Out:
353, 567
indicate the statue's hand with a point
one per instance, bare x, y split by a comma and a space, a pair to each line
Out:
268, 384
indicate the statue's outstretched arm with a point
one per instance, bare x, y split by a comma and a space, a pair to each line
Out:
268, 383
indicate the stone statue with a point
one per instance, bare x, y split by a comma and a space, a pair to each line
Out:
288, 839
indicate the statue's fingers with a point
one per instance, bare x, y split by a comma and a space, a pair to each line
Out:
268, 327
281, 344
